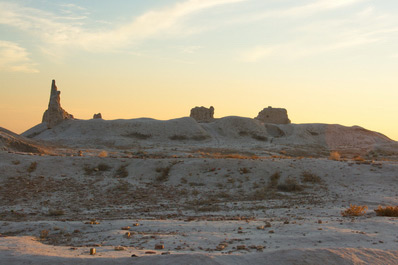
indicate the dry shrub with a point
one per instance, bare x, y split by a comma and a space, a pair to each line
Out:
164, 173
358, 159
44, 234
122, 172
184, 180
391, 211
32, 167
290, 185
310, 177
244, 170
335, 156
138, 135
354, 210
199, 137
259, 137
178, 137
103, 167
103, 154
274, 179
56, 212
88, 170
209, 208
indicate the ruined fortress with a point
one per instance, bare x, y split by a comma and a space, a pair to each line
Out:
55, 114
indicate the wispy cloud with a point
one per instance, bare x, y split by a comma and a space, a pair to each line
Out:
257, 53
190, 49
301, 10
362, 27
57, 31
14, 58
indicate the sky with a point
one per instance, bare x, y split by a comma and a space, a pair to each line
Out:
325, 61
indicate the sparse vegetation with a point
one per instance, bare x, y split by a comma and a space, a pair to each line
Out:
354, 210
309, 177
178, 137
44, 234
290, 185
122, 172
103, 154
390, 211
335, 156
88, 170
244, 170
164, 173
274, 179
199, 137
103, 167
184, 180
196, 184
259, 137
209, 208
260, 194
137, 135
253, 135
32, 167
56, 212
358, 159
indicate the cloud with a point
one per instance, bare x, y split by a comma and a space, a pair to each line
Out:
64, 31
190, 49
14, 58
315, 7
257, 53
365, 27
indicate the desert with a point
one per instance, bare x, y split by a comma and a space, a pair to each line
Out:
223, 132
229, 190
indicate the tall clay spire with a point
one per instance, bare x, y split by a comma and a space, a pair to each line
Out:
55, 114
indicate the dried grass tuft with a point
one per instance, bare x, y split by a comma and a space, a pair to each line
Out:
354, 210
390, 211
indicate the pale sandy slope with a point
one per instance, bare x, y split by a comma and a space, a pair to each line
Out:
43, 254
193, 187
227, 132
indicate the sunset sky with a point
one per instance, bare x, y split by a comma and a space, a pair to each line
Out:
325, 61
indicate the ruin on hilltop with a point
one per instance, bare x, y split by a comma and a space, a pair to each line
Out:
273, 115
202, 114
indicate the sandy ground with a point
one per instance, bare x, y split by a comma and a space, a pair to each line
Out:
204, 210
143, 193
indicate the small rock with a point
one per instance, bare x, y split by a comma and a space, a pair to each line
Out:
120, 248
261, 227
220, 247
166, 253
150, 252
92, 251
126, 228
